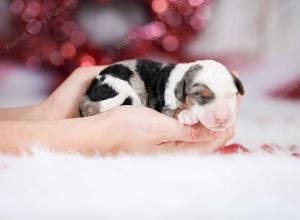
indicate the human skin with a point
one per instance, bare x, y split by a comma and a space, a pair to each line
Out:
55, 124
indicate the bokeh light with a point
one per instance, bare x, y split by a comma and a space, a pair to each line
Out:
196, 22
87, 60
56, 58
33, 9
34, 26
173, 18
33, 61
170, 43
68, 50
78, 38
204, 12
69, 27
196, 2
185, 9
155, 30
16, 6
159, 6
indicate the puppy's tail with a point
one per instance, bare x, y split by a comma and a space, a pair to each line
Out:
88, 107
116, 101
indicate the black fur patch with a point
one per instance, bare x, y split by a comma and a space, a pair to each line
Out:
128, 101
80, 113
164, 76
155, 78
98, 91
119, 71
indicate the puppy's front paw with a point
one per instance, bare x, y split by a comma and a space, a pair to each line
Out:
187, 117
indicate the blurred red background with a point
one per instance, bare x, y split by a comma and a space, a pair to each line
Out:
42, 42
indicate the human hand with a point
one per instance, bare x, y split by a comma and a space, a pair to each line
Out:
142, 130
63, 103
126, 128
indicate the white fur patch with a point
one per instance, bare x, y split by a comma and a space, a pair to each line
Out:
123, 88
175, 76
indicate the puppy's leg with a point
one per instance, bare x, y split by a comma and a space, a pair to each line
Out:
169, 112
184, 116
187, 117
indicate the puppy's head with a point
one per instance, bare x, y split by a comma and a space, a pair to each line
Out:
210, 91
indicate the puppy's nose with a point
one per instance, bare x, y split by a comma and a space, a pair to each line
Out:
220, 119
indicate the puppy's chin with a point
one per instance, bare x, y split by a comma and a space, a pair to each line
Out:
207, 116
214, 128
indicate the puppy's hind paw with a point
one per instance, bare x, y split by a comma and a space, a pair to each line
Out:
187, 117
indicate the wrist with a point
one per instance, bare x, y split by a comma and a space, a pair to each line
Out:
103, 135
20, 136
37, 112
29, 113
90, 135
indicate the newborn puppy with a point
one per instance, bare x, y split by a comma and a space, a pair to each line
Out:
202, 91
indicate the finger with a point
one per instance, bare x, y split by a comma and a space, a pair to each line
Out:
229, 133
86, 74
238, 104
201, 147
72, 89
172, 130
208, 146
80, 79
234, 72
200, 133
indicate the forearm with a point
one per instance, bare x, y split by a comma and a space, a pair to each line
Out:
62, 135
28, 113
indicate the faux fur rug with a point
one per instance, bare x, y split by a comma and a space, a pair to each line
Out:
262, 184
179, 186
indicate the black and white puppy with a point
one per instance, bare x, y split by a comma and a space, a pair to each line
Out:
203, 91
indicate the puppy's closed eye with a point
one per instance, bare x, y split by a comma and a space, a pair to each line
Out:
200, 93
201, 90
206, 92
196, 93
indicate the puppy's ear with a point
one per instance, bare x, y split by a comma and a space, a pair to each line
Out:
180, 90
238, 84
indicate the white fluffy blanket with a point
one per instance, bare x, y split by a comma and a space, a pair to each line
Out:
258, 185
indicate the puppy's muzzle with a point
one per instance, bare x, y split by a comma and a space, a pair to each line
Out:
218, 116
